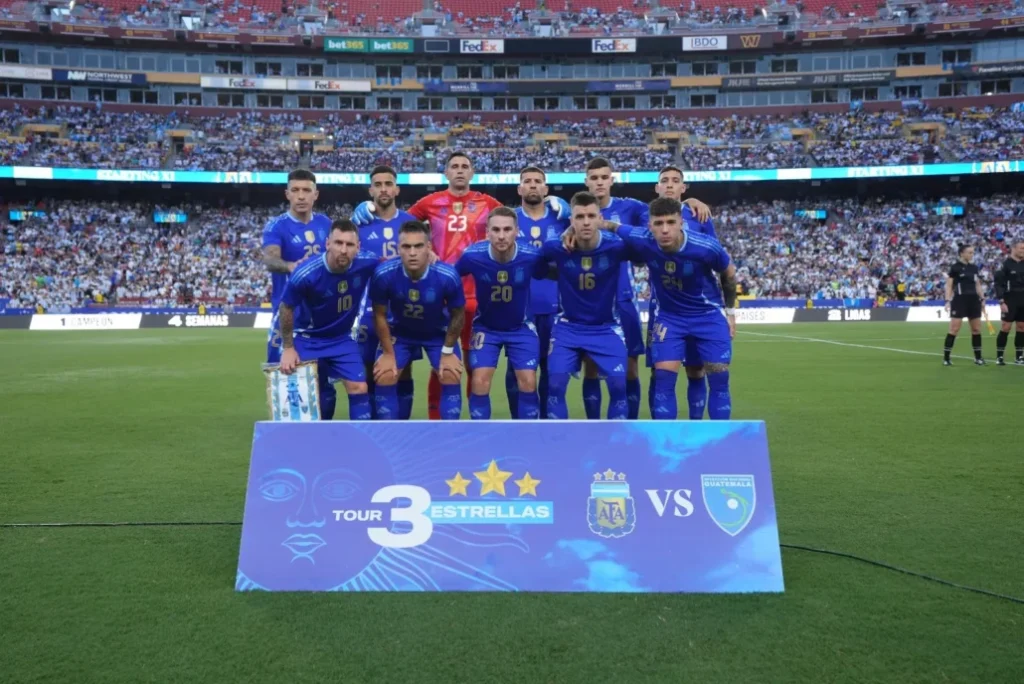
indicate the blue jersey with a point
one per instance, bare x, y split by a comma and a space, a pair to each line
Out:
419, 308
503, 289
588, 280
297, 241
381, 237
682, 280
628, 211
543, 292
329, 300
692, 224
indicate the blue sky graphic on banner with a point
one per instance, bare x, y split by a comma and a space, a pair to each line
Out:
510, 506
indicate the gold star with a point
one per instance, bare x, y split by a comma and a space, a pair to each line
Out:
609, 474
457, 485
492, 479
527, 485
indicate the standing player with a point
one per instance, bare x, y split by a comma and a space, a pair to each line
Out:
588, 278
289, 239
688, 312
538, 222
329, 288
1010, 291
380, 236
429, 308
502, 271
965, 296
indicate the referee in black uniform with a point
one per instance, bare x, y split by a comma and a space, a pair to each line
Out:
1010, 292
964, 299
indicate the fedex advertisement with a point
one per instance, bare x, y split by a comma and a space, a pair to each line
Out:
612, 45
482, 46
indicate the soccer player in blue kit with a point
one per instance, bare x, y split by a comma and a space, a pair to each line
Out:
327, 288
691, 310
538, 222
503, 270
588, 277
428, 306
380, 236
289, 239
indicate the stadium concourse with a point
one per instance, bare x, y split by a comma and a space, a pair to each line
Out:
96, 137
77, 253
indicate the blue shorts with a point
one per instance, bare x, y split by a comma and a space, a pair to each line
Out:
543, 324
629, 318
693, 340
340, 361
604, 344
522, 347
408, 350
366, 336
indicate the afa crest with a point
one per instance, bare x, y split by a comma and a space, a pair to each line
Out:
535, 232
414, 295
457, 207
389, 232
310, 236
502, 276
670, 267
611, 512
729, 500
586, 263
343, 286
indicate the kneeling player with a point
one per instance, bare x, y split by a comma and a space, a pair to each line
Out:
328, 289
428, 308
502, 272
691, 313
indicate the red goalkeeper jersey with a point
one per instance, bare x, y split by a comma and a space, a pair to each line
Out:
455, 223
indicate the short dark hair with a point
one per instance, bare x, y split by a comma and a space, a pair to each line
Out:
671, 168
415, 227
502, 211
345, 226
302, 175
598, 163
382, 169
665, 206
533, 169
582, 199
962, 247
453, 155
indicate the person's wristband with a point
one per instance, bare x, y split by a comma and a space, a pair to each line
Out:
730, 312
447, 350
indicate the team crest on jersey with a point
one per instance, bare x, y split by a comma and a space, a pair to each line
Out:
429, 296
457, 207
388, 233
310, 236
586, 263
343, 286
502, 276
535, 232
670, 267
611, 512
414, 295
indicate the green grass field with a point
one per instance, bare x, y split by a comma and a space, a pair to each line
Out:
875, 452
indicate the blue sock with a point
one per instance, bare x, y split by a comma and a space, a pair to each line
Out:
557, 408
359, 407
542, 389
369, 392
529, 406
512, 390
633, 397
719, 401
386, 397
406, 390
451, 402
696, 397
592, 398
618, 405
665, 405
650, 394
480, 406
328, 401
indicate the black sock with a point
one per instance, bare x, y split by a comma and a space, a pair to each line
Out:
950, 339
1018, 342
976, 343
1001, 343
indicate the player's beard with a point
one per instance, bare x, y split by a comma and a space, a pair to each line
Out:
384, 202
533, 199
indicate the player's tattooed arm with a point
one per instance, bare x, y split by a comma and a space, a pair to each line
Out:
383, 330
728, 281
286, 319
273, 261
457, 316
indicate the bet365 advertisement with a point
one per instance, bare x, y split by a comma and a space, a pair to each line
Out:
571, 506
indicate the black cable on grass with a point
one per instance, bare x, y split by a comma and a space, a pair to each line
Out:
796, 547
879, 564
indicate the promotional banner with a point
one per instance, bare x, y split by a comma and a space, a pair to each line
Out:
989, 69
110, 321
572, 506
331, 85
26, 73
483, 87
658, 85
849, 78
600, 46
244, 83
892, 315
751, 41
104, 77
478, 46
702, 43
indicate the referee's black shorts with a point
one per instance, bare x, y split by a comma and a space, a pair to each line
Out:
1014, 310
965, 306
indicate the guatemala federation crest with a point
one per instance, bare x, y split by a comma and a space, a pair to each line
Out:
611, 512
729, 500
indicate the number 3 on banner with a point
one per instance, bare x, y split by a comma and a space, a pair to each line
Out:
422, 526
